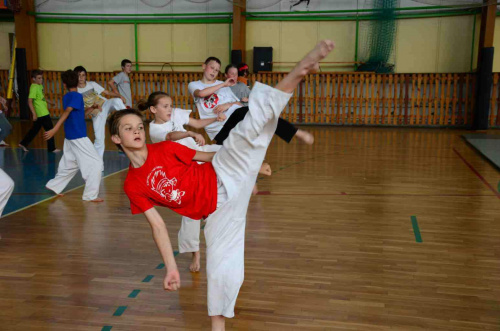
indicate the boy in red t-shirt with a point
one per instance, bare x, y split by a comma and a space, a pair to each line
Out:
166, 174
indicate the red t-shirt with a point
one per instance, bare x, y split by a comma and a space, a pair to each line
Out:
171, 178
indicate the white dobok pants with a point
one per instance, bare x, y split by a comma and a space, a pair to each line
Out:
99, 122
6, 189
78, 154
189, 234
237, 165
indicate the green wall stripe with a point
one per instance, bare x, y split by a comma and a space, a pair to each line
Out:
128, 15
135, 21
355, 17
473, 44
434, 8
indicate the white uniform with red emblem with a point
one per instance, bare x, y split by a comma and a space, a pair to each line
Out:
207, 105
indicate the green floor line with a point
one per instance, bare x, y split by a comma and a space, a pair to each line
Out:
120, 310
416, 230
134, 293
147, 279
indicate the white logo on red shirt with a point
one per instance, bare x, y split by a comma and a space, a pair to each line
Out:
165, 187
211, 101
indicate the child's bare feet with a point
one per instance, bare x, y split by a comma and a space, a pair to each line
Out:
322, 49
195, 263
305, 136
255, 190
23, 148
56, 151
307, 64
97, 200
265, 169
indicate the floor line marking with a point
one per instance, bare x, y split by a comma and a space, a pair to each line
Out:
147, 279
477, 173
374, 194
416, 229
134, 293
120, 310
55, 195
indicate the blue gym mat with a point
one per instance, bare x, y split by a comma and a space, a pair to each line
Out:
32, 170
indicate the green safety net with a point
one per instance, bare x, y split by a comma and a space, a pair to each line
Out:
377, 36
378, 29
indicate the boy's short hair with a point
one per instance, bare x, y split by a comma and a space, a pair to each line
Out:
115, 118
36, 72
79, 69
70, 78
125, 62
212, 58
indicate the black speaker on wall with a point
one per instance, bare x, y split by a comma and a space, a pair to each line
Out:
484, 79
262, 59
236, 56
22, 83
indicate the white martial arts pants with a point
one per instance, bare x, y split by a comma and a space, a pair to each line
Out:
78, 154
6, 189
99, 122
189, 234
237, 165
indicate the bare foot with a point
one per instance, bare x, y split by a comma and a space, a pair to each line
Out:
23, 148
59, 195
265, 169
56, 151
255, 190
97, 200
195, 263
305, 136
307, 64
322, 49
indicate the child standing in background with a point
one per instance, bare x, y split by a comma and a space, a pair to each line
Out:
98, 106
78, 151
120, 84
41, 116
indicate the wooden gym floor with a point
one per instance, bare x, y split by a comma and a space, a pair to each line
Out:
368, 229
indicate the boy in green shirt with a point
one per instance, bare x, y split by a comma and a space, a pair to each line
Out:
40, 112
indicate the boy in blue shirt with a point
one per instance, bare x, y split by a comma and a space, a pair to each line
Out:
79, 152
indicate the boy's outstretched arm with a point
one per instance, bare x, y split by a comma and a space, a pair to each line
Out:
204, 156
172, 281
49, 134
178, 135
212, 89
114, 95
112, 84
201, 123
